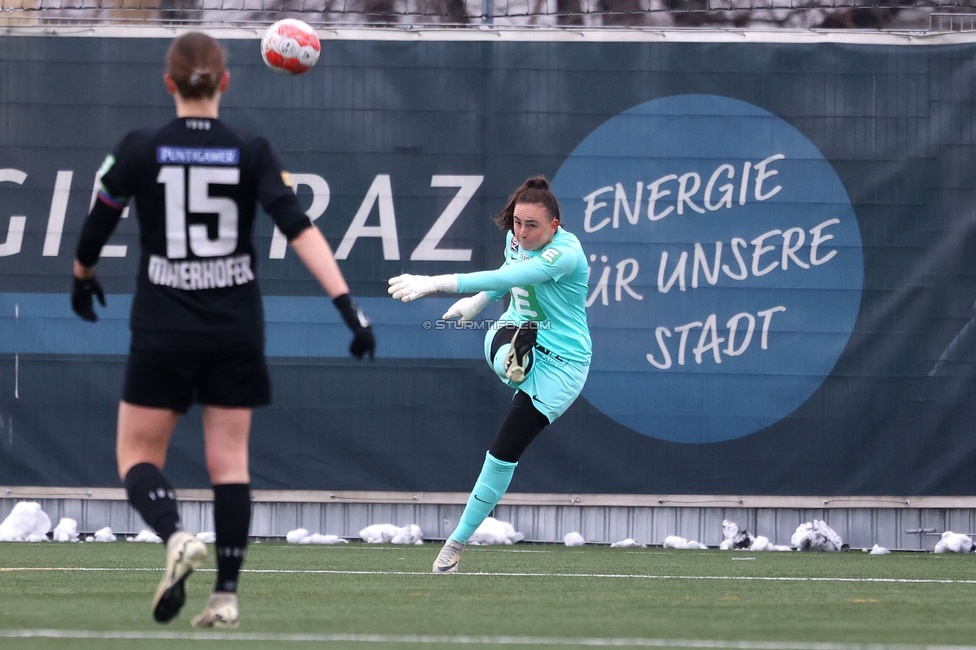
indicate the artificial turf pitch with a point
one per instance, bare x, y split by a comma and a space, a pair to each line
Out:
369, 596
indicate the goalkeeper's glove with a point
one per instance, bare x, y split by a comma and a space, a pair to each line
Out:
411, 287
467, 309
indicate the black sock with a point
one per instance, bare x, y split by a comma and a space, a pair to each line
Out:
232, 520
154, 498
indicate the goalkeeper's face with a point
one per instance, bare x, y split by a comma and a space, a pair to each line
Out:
533, 226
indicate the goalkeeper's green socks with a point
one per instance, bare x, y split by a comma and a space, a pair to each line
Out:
488, 491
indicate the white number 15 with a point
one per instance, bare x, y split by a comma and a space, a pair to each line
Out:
173, 177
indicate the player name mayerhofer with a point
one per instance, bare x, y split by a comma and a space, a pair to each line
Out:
200, 274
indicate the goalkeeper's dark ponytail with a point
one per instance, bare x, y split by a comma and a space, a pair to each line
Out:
535, 191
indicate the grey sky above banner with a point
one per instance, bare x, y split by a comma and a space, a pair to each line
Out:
297, 326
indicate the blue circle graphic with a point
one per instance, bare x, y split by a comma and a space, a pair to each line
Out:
726, 266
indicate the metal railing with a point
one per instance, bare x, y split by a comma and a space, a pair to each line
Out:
952, 22
925, 15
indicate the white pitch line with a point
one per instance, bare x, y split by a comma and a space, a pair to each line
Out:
615, 576
506, 574
10, 569
458, 640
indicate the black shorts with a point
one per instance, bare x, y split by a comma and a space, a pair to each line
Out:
175, 380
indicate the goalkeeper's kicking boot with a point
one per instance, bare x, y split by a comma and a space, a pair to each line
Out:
221, 611
448, 559
518, 359
184, 554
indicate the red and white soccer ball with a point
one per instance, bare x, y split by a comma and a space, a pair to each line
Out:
290, 46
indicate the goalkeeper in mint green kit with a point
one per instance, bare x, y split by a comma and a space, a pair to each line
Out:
540, 346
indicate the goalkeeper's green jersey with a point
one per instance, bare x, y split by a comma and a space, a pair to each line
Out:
548, 286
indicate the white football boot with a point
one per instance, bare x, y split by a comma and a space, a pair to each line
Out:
221, 611
184, 554
449, 557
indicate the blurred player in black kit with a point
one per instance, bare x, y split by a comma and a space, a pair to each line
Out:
197, 320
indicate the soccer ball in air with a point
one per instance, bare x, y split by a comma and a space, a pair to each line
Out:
290, 47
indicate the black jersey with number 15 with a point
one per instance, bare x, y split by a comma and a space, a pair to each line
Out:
196, 184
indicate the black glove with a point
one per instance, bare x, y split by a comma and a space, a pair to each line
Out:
81, 298
363, 341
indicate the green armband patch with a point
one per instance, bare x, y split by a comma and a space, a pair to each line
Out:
550, 255
106, 165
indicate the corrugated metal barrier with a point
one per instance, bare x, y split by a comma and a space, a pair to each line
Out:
892, 522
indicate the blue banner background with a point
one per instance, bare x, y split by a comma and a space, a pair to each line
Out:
883, 402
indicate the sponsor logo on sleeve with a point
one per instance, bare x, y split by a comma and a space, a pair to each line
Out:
550, 255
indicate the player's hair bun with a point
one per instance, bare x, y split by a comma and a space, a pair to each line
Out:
196, 63
201, 77
534, 190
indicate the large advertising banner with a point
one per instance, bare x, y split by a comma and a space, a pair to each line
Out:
713, 288
780, 237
